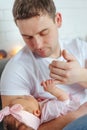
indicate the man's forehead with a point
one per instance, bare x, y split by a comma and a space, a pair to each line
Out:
33, 27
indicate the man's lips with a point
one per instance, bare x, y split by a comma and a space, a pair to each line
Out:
41, 51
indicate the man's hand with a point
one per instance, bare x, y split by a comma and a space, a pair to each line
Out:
66, 72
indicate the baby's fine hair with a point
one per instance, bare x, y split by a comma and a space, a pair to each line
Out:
10, 123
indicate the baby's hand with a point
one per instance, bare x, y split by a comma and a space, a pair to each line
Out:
48, 85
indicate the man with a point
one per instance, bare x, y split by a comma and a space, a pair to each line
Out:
45, 57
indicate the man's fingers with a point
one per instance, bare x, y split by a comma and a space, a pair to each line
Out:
60, 72
59, 79
59, 65
67, 56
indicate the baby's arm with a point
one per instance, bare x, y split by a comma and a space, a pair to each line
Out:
49, 86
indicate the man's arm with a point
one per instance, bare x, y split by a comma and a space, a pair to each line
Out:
61, 122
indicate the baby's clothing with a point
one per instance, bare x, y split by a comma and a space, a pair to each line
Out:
53, 108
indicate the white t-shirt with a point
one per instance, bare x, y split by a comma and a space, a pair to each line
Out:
25, 71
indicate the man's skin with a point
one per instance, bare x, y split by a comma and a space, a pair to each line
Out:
43, 40
68, 72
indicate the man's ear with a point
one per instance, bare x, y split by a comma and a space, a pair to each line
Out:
58, 19
37, 113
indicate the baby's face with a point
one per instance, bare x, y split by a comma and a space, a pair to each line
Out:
29, 103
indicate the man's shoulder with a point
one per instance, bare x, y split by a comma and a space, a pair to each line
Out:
24, 56
76, 43
22, 61
68, 41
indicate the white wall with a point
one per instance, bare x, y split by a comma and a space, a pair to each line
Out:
74, 13
9, 34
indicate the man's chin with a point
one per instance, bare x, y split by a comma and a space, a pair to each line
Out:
40, 55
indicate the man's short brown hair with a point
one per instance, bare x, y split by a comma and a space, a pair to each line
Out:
24, 9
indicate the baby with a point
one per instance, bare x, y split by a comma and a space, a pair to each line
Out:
27, 113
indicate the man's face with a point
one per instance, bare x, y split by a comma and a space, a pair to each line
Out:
40, 33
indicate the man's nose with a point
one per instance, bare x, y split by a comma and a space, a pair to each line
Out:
38, 42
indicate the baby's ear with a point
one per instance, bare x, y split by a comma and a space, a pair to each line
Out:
37, 113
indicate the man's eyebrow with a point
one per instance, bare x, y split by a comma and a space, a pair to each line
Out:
44, 30
25, 35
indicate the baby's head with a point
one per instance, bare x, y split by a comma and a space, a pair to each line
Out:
29, 104
23, 114
11, 123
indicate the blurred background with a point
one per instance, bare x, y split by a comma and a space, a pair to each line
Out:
74, 15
